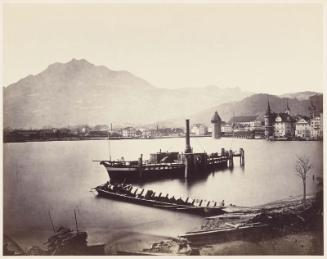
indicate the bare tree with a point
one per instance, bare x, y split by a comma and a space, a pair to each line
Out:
303, 167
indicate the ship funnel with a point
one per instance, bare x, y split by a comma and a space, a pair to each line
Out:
188, 148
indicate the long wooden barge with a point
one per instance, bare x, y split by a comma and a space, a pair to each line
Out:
129, 193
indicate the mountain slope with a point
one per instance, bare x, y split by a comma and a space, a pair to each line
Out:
299, 95
252, 105
79, 92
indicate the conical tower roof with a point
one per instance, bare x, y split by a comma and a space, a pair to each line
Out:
215, 118
268, 111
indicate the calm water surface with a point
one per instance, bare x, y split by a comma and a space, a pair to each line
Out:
58, 176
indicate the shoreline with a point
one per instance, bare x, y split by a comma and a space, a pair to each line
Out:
127, 138
306, 239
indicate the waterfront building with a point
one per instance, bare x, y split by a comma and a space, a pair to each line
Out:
284, 125
245, 122
302, 128
315, 127
148, 133
216, 127
226, 128
129, 132
279, 125
199, 129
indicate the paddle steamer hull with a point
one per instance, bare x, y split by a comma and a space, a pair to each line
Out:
145, 172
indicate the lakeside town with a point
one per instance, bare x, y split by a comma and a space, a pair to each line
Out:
271, 126
168, 129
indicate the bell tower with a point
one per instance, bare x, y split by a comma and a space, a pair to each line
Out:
268, 122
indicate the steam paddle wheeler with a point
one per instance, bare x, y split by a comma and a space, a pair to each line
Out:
170, 164
162, 164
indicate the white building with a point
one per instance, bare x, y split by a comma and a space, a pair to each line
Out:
302, 129
148, 133
315, 127
284, 126
129, 132
245, 122
199, 129
226, 128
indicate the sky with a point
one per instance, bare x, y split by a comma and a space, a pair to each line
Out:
269, 48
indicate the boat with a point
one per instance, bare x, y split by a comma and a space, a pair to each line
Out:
132, 194
167, 164
160, 165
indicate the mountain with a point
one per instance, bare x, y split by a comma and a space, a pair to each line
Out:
252, 105
299, 95
78, 92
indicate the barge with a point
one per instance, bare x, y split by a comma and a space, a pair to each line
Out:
132, 194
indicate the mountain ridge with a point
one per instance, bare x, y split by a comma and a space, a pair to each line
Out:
78, 92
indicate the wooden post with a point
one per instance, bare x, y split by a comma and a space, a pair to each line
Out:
241, 156
230, 159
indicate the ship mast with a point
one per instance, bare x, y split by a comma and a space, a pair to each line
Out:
54, 230
109, 147
76, 221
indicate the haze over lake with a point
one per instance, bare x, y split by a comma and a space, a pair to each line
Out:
59, 176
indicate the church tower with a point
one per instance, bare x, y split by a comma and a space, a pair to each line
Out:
216, 127
288, 110
268, 122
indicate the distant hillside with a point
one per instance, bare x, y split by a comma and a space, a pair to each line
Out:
79, 92
300, 95
252, 105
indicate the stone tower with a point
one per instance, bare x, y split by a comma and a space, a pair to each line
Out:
268, 122
216, 128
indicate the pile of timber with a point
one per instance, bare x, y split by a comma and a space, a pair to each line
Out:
240, 223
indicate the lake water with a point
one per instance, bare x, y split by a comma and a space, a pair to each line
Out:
58, 176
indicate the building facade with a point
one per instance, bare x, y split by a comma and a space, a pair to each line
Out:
316, 131
279, 125
129, 132
284, 126
302, 129
199, 129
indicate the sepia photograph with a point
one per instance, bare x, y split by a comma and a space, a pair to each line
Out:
162, 129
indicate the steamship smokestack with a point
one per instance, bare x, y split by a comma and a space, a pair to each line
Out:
188, 148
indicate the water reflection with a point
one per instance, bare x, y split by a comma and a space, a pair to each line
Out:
59, 175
